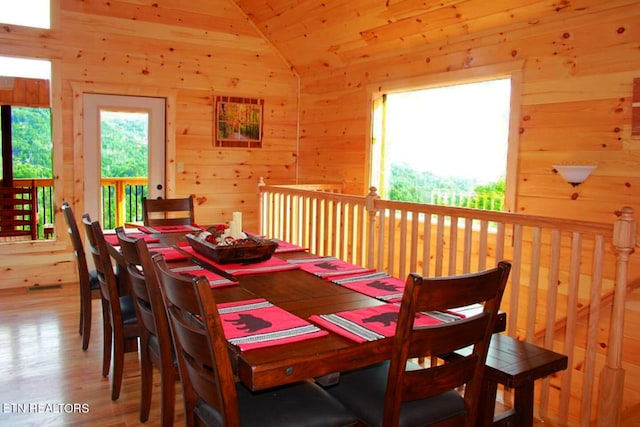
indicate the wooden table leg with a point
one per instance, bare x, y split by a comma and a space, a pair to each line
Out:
523, 404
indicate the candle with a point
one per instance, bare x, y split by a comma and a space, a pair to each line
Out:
233, 229
237, 218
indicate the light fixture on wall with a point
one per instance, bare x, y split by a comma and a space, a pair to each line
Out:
574, 174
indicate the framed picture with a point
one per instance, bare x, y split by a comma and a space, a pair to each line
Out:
238, 122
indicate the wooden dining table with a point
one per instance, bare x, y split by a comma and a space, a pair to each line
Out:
302, 294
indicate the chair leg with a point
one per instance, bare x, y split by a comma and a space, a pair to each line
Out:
85, 320
107, 340
118, 366
146, 379
168, 384
80, 329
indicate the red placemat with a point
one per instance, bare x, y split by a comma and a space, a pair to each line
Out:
374, 323
285, 247
258, 323
170, 253
215, 279
112, 238
159, 229
328, 266
377, 284
268, 266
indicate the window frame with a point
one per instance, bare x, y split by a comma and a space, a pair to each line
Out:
512, 70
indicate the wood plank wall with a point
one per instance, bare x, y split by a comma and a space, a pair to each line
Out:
576, 93
197, 50
577, 76
25, 92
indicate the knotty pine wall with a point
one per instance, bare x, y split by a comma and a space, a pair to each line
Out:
192, 50
576, 83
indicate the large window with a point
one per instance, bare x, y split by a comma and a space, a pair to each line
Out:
444, 145
27, 13
26, 158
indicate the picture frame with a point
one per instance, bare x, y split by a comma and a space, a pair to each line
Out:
238, 122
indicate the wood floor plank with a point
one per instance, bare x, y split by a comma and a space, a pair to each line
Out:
46, 378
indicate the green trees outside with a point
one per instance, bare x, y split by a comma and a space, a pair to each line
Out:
124, 154
409, 185
32, 143
124, 140
124, 144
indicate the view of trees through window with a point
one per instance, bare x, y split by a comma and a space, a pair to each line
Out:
447, 145
125, 146
31, 143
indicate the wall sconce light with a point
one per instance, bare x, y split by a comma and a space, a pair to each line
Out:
574, 174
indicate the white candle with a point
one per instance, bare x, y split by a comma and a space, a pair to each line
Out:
233, 229
237, 218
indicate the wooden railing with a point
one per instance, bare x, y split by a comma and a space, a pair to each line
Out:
563, 274
121, 201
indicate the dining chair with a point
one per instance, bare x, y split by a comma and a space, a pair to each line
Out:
119, 321
87, 279
156, 344
400, 393
212, 396
178, 211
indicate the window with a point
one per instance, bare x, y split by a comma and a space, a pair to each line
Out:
26, 157
443, 145
28, 13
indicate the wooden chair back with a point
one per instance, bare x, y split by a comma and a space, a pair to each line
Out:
104, 268
444, 294
168, 211
84, 276
120, 323
18, 212
144, 283
201, 347
156, 343
78, 248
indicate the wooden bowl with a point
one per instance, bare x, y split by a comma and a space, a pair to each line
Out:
248, 250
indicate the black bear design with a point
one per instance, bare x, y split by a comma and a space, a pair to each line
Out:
250, 323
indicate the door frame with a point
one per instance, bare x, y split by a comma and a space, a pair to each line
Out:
81, 88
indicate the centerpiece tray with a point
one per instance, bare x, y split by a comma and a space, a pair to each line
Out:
249, 250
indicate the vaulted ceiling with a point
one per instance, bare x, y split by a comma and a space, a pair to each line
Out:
335, 33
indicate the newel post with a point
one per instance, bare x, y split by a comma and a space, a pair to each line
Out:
612, 375
372, 210
261, 205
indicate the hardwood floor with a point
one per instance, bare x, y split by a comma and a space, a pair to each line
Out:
46, 377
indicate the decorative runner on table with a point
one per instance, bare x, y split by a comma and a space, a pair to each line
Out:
377, 285
269, 266
374, 323
258, 323
112, 238
328, 267
159, 229
285, 247
215, 280
170, 253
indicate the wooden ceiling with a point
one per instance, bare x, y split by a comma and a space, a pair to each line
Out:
335, 33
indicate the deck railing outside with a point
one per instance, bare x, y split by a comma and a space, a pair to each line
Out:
566, 275
121, 201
